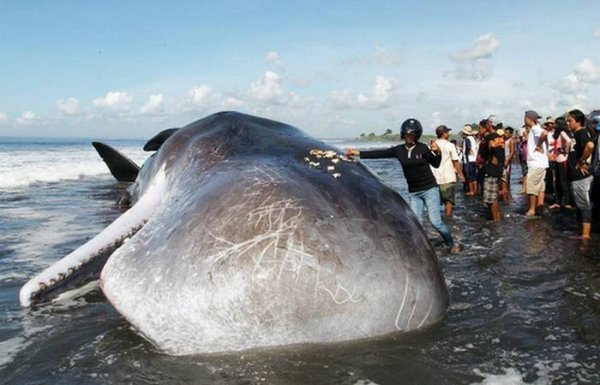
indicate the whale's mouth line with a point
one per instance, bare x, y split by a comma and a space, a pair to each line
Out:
84, 265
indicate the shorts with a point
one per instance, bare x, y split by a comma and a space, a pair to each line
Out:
536, 181
581, 195
447, 192
491, 186
470, 171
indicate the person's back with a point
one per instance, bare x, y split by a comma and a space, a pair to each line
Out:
446, 172
470, 149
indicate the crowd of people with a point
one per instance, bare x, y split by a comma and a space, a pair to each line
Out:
559, 159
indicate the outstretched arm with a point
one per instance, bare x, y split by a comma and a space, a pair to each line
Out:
371, 154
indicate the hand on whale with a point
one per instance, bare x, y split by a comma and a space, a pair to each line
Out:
253, 234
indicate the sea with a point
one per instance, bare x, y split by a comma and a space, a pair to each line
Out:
525, 294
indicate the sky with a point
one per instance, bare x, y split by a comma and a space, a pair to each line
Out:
335, 69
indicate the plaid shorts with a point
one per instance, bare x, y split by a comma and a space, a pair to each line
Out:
491, 186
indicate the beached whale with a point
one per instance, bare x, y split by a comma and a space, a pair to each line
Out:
245, 232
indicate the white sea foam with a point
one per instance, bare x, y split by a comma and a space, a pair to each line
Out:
21, 168
11, 347
510, 377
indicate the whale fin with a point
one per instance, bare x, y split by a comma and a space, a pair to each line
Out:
158, 139
122, 168
85, 263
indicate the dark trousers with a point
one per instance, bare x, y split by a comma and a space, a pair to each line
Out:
562, 186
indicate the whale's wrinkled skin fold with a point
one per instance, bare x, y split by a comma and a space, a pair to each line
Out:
254, 240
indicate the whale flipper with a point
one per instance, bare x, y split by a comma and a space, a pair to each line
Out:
158, 139
122, 168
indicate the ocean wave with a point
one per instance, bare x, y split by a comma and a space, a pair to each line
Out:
22, 168
24, 164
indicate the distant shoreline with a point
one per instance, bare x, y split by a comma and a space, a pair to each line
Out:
390, 138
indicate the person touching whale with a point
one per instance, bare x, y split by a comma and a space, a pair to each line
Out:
415, 158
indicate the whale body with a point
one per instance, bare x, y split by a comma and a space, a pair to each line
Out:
245, 232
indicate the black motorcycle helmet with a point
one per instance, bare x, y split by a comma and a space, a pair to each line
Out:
593, 121
411, 126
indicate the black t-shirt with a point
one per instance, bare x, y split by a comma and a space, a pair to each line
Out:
490, 154
580, 139
415, 164
491, 169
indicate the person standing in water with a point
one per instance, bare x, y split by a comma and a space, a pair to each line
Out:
537, 163
470, 149
449, 168
415, 158
579, 172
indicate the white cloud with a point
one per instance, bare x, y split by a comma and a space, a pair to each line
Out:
572, 101
587, 71
3, 117
232, 102
155, 105
273, 58
383, 91
114, 101
570, 84
198, 98
267, 89
475, 63
584, 74
68, 107
26, 119
483, 47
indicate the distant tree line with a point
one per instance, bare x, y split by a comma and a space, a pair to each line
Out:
388, 136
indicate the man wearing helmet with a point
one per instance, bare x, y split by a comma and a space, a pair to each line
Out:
415, 159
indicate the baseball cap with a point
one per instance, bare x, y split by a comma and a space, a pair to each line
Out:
441, 129
531, 114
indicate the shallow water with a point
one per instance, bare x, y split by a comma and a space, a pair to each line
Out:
525, 302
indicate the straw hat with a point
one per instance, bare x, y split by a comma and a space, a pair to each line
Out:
467, 130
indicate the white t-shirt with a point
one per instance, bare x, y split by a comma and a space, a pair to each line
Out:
446, 173
536, 159
472, 155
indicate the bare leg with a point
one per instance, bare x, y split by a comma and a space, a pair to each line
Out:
540, 202
532, 204
448, 209
586, 230
495, 210
472, 187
